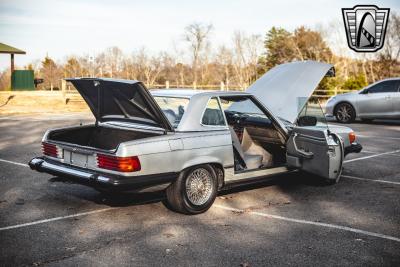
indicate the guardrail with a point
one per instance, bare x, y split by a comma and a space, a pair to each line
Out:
327, 94
68, 91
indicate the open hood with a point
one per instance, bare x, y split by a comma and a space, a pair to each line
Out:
286, 88
121, 100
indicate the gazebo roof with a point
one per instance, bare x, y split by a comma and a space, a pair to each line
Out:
6, 49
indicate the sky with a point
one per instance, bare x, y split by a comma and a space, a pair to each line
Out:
59, 28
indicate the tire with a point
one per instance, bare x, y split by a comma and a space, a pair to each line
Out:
186, 199
345, 113
367, 120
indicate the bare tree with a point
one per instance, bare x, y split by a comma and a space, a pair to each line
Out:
149, 66
5, 81
236, 65
391, 49
51, 73
72, 68
247, 50
113, 60
197, 34
225, 59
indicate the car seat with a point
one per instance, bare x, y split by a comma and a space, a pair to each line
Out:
251, 161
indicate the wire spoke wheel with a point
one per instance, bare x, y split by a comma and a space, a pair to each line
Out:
194, 191
199, 186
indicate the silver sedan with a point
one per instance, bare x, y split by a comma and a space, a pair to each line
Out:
380, 100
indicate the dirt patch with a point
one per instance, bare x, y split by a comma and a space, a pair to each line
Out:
12, 102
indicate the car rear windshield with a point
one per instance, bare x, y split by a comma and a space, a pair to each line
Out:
172, 107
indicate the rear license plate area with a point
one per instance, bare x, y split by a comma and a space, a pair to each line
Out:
79, 160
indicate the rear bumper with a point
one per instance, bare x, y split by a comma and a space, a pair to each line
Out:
353, 148
99, 180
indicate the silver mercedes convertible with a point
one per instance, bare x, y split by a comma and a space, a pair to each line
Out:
193, 143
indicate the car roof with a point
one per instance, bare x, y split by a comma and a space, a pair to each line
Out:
387, 79
192, 117
189, 93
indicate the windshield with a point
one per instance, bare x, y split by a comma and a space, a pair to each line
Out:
173, 108
241, 105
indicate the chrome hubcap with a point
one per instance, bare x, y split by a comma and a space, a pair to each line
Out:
344, 113
199, 186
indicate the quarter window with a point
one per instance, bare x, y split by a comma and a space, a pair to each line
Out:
173, 108
213, 114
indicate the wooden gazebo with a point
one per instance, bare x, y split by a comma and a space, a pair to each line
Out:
6, 49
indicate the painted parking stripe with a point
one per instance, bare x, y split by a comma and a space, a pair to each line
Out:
328, 225
372, 156
370, 180
54, 219
378, 137
374, 152
15, 163
367, 151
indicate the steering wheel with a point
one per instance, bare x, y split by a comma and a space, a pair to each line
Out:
239, 118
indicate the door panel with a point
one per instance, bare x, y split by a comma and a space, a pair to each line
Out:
374, 104
313, 150
378, 100
395, 98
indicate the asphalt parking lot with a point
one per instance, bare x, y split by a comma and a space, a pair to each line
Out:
289, 220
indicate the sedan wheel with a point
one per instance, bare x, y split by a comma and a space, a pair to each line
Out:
345, 113
194, 191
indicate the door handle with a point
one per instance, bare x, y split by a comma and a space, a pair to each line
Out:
301, 152
387, 97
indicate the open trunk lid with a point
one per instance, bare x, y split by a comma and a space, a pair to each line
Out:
286, 88
121, 100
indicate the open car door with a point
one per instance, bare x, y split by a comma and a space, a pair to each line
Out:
312, 147
316, 151
286, 91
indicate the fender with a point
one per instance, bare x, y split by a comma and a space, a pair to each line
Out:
201, 160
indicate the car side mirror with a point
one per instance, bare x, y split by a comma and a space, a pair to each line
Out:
307, 121
365, 91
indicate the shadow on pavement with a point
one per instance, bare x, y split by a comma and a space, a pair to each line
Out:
124, 199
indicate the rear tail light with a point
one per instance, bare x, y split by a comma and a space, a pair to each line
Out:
352, 137
51, 150
121, 164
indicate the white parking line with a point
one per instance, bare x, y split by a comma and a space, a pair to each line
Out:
328, 225
54, 219
13, 162
367, 151
370, 180
372, 156
378, 137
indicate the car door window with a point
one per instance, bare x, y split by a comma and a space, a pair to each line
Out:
213, 114
384, 87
